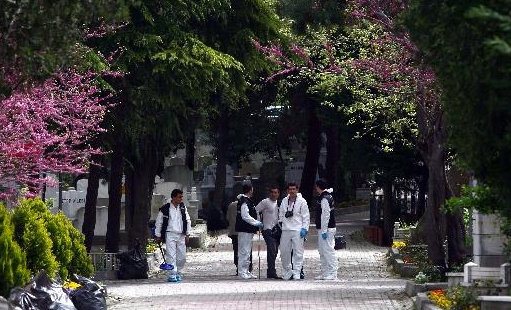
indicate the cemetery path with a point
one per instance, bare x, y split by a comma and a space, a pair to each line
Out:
210, 281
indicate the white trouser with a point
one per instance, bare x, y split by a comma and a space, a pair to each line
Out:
327, 254
175, 251
291, 240
244, 250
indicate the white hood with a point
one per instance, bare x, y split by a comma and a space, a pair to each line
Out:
330, 190
241, 195
299, 195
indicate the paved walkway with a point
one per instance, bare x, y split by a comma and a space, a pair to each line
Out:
210, 281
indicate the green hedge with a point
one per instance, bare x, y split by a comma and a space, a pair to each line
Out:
43, 241
13, 269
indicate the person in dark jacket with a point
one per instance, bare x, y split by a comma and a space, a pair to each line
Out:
325, 225
173, 225
246, 226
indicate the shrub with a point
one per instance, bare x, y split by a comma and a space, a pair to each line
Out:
32, 236
80, 263
67, 242
13, 267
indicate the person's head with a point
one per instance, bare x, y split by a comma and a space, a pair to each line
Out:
320, 186
292, 189
274, 192
247, 189
176, 196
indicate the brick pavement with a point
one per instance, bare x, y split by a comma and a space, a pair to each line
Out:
210, 281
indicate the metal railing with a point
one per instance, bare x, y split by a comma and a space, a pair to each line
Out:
104, 261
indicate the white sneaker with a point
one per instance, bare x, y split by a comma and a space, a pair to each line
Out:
245, 276
253, 276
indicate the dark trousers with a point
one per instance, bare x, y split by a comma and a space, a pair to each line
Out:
234, 239
272, 248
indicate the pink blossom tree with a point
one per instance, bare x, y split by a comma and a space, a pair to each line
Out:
397, 69
48, 127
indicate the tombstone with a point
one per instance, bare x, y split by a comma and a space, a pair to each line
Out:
248, 168
293, 172
488, 240
166, 188
157, 201
208, 183
272, 173
82, 185
193, 205
52, 191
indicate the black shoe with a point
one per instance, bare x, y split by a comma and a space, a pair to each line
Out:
274, 277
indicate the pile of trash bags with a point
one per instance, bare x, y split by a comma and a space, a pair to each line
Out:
133, 264
43, 293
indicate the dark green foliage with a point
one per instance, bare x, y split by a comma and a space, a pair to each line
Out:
45, 32
13, 270
312, 13
468, 45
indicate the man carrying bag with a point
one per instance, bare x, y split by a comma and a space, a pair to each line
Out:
268, 208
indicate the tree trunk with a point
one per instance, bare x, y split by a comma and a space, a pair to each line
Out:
333, 155
389, 214
89, 217
114, 199
141, 190
310, 166
455, 239
215, 214
190, 150
421, 199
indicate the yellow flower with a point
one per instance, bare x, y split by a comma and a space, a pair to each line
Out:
71, 285
398, 244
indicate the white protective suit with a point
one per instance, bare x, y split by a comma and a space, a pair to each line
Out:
245, 243
175, 239
290, 239
326, 246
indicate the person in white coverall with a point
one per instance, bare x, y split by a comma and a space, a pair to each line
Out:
295, 218
246, 226
325, 225
173, 222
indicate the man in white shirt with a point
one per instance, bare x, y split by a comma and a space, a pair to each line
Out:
295, 218
173, 225
268, 208
325, 224
246, 226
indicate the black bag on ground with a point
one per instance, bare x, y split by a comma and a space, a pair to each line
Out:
133, 264
276, 232
89, 296
40, 294
340, 242
4, 305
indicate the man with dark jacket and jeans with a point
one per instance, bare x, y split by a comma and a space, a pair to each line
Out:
246, 226
268, 208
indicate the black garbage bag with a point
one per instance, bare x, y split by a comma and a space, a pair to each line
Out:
4, 305
133, 264
340, 242
41, 293
89, 296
